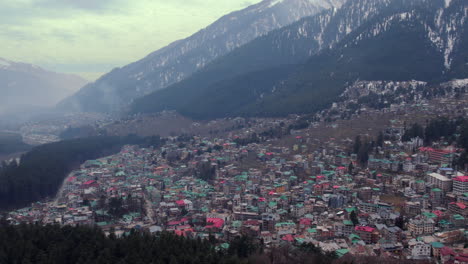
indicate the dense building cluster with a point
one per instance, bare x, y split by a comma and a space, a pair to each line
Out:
406, 202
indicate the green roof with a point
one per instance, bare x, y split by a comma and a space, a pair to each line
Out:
341, 252
285, 223
347, 222
437, 245
430, 215
224, 245
458, 217
299, 240
237, 223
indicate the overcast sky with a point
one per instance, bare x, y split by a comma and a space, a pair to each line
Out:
90, 37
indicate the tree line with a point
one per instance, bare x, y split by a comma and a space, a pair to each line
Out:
11, 143
54, 244
453, 131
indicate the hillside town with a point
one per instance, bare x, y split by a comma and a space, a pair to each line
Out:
407, 201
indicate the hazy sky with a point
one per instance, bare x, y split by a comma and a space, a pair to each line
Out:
90, 37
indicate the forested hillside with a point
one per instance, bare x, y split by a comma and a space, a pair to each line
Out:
42, 170
83, 245
402, 43
11, 143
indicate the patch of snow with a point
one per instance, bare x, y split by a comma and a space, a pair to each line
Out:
275, 2
448, 51
447, 3
457, 83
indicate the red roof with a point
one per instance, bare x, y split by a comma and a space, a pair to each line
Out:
180, 202
445, 251
182, 227
438, 213
462, 258
364, 228
173, 223
288, 238
305, 221
89, 182
251, 222
71, 179
461, 178
183, 232
216, 222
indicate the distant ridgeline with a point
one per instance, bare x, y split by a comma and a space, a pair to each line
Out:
43, 169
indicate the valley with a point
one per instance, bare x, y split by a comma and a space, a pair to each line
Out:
292, 131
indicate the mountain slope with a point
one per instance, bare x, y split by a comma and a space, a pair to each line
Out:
290, 45
406, 40
181, 58
25, 85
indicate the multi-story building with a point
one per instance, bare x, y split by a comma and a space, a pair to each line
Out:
458, 208
367, 234
421, 250
440, 156
421, 226
440, 181
460, 185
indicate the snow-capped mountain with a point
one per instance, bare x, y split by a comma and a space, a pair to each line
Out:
25, 85
396, 40
182, 58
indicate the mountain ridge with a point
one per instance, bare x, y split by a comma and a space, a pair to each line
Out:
297, 91
25, 85
180, 59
